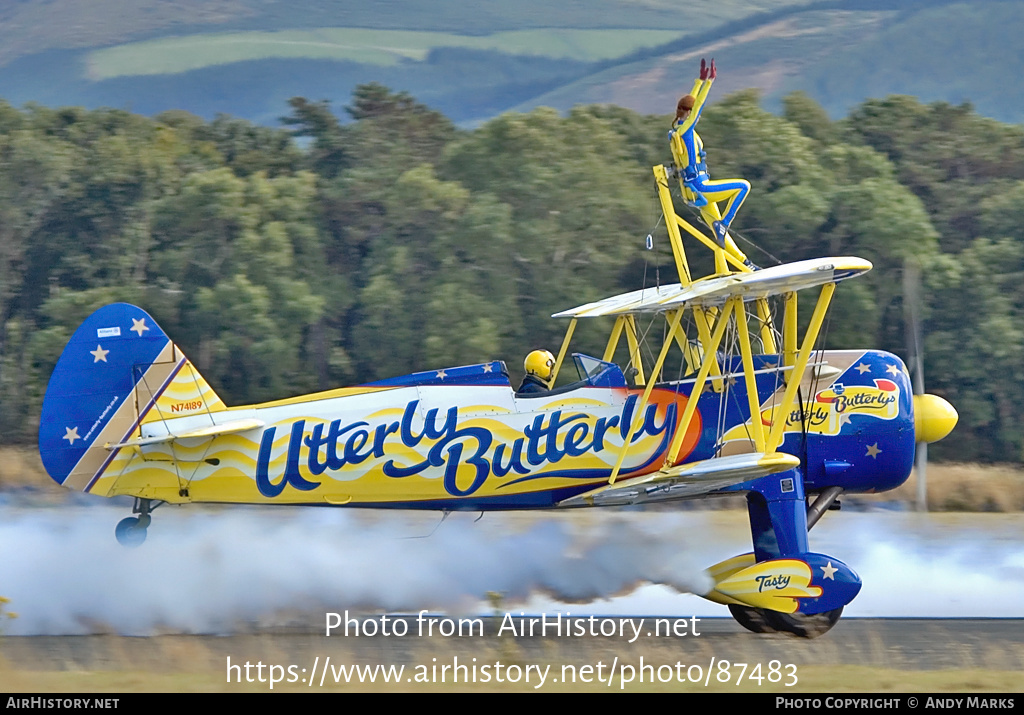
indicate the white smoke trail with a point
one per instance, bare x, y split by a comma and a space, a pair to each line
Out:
911, 565
209, 570
938, 565
206, 570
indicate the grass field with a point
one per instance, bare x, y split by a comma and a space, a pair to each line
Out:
172, 55
813, 679
859, 656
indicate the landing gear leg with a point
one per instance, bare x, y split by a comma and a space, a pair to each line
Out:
131, 531
779, 520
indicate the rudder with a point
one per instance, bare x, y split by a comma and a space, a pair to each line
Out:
118, 372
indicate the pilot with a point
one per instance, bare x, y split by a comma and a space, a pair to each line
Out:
540, 367
688, 151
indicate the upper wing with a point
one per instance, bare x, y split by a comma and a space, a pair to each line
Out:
713, 292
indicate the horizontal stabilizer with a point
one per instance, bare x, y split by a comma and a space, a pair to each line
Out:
687, 480
201, 433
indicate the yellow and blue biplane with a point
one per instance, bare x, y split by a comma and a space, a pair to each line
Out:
755, 409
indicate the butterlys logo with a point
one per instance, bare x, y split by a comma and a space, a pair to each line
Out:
832, 407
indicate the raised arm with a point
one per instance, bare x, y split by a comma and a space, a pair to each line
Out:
701, 87
708, 75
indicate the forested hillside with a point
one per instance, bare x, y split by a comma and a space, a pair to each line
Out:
475, 60
328, 253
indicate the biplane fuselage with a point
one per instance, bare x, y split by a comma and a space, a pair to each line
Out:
455, 438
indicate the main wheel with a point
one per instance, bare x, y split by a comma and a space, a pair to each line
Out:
753, 619
131, 531
803, 625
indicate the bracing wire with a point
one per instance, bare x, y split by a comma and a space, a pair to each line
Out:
731, 342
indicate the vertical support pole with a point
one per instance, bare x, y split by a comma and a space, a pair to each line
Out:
703, 318
674, 237
764, 314
789, 332
613, 339
634, 350
561, 353
692, 356
779, 418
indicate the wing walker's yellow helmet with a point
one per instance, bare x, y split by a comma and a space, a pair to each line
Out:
540, 363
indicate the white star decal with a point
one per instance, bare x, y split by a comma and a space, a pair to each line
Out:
99, 354
441, 375
830, 571
139, 326
873, 451
488, 367
892, 370
72, 434
862, 368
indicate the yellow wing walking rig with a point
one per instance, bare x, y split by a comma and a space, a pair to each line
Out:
730, 313
766, 413
736, 326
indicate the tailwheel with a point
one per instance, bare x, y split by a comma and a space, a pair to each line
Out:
804, 625
131, 531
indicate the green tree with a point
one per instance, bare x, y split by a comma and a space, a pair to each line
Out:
974, 348
438, 292
328, 154
580, 209
950, 157
256, 235
810, 117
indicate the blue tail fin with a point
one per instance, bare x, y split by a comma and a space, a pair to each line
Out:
115, 369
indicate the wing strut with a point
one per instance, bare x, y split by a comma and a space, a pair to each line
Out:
561, 352
626, 323
677, 315
710, 358
810, 337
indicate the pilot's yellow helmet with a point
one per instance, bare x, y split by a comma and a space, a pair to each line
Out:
540, 363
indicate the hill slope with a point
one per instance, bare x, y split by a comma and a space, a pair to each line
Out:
474, 62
